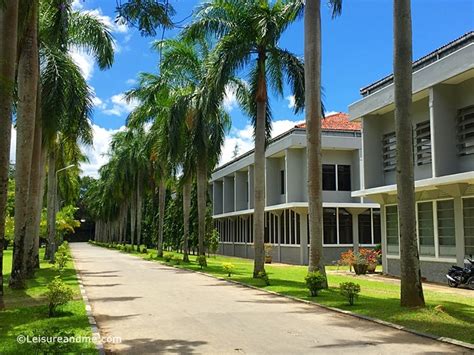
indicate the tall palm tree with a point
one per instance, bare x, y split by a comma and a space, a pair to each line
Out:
312, 56
248, 34
411, 288
28, 75
8, 49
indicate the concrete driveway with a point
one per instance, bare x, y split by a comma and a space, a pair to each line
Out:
158, 309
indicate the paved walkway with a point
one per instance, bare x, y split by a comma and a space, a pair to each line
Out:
158, 309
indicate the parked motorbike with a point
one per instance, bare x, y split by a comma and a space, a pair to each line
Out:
462, 276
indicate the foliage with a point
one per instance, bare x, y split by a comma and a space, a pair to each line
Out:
363, 257
53, 347
264, 276
315, 281
213, 241
268, 249
58, 294
144, 250
349, 290
167, 257
202, 261
228, 268
177, 259
9, 230
62, 257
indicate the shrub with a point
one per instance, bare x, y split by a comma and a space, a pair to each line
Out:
213, 242
62, 257
58, 294
167, 257
144, 250
264, 276
349, 290
228, 268
52, 347
315, 281
201, 260
177, 259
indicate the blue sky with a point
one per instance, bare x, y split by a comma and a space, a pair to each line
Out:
357, 50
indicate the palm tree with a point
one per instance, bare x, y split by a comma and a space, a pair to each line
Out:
312, 56
8, 49
411, 288
248, 34
28, 74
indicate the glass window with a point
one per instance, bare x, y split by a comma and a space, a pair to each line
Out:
465, 131
391, 213
282, 182
426, 228
365, 227
468, 213
377, 226
298, 229
344, 177
389, 148
329, 226
446, 229
423, 143
345, 227
266, 230
292, 229
329, 177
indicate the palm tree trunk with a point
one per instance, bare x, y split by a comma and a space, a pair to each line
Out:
161, 216
259, 172
133, 216
44, 154
8, 46
34, 193
202, 202
312, 66
186, 211
139, 211
27, 87
51, 204
411, 288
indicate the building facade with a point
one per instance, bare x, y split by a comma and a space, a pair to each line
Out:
443, 141
349, 222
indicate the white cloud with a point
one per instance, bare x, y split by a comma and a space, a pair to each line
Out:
291, 101
97, 153
131, 82
84, 61
329, 113
230, 98
116, 27
244, 138
77, 5
13, 145
118, 106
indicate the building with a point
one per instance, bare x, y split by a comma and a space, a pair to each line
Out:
443, 140
348, 221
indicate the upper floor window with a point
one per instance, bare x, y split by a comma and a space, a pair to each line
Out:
340, 181
282, 182
422, 143
389, 149
466, 131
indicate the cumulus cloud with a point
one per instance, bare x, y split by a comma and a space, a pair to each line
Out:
97, 153
131, 81
230, 98
291, 101
78, 5
84, 61
116, 27
118, 106
243, 138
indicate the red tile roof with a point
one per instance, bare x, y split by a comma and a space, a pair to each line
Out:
336, 122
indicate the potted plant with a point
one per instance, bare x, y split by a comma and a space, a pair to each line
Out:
268, 253
360, 264
372, 257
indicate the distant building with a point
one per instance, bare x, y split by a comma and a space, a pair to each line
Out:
349, 222
443, 141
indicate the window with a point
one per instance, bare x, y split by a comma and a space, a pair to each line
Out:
329, 226
344, 178
465, 131
298, 229
389, 146
377, 227
282, 182
287, 227
345, 227
446, 230
423, 143
391, 213
468, 213
426, 229
365, 227
266, 237
329, 177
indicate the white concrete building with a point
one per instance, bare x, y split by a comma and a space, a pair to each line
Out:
348, 221
443, 140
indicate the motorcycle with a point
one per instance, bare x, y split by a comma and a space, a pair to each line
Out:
462, 276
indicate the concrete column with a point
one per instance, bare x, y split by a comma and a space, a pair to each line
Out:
278, 214
459, 230
383, 230
304, 237
355, 232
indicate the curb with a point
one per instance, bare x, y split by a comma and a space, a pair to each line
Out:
446, 340
93, 324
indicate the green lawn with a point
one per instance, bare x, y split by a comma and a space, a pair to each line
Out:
454, 319
27, 313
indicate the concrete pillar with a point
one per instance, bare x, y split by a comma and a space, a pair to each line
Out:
383, 230
459, 230
304, 237
355, 232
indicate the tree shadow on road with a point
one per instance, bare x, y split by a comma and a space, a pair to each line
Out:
159, 346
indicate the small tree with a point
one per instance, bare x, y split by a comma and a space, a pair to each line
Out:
315, 281
62, 257
213, 242
349, 290
201, 260
58, 294
228, 268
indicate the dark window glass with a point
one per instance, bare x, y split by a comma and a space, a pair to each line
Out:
345, 227
282, 182
377, 226
329, 226
298, 229
266, 235
344, 177
329, 177
287, 228
292, 229
365, 228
